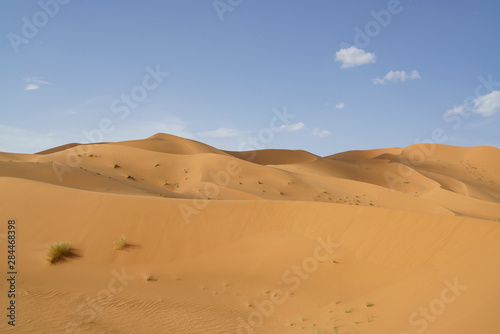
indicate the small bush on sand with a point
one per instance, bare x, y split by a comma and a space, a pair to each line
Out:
58, 251
121, 243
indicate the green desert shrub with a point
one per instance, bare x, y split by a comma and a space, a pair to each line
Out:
121, 243
58, 251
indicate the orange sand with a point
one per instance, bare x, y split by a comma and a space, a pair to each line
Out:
271, 241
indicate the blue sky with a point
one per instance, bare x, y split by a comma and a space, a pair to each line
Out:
354, 74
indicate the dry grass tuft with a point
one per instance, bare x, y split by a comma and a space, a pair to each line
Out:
58, 251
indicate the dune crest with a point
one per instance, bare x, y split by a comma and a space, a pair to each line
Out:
423, 178
267, 241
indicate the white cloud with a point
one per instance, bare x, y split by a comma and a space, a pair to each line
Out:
34, 83
352, 57
293, 127
340, 106
31, 87
321, 133
456, 110
396, 76
37, 80
486, 105
220, 133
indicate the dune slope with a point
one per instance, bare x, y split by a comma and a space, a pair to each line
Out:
384, 241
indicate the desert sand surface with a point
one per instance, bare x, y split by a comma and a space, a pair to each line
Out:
386, 241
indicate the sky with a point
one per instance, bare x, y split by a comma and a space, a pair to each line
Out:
324, 76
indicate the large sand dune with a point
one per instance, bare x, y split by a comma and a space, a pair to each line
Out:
399, 240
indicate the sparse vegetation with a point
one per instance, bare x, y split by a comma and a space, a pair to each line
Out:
121, 243
259, 182
58, 251
148, 277
131, 178
369, 304
348, 310
157, 165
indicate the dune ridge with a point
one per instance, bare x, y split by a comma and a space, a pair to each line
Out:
356, 242
430, 178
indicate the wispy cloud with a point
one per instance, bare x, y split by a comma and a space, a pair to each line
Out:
34, 83
456, 110
18, 140
293, 127
31, 87
352, 57
321, 133
340, 106
486, 105
396, 76
221, 133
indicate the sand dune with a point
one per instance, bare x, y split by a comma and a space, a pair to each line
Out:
400, 240
275, 157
